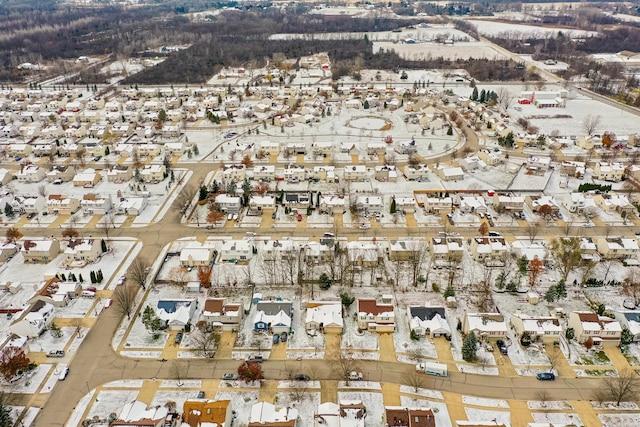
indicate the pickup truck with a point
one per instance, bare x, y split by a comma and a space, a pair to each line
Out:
55, 353
355, 376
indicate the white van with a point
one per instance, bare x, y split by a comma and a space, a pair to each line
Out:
88, 294
63, 373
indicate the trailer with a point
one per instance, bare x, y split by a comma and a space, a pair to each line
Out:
432, 368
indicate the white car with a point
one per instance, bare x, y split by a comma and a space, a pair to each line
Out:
355, 376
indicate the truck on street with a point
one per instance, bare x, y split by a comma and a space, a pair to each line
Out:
432, 368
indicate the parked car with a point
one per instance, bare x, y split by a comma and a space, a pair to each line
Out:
546, 376
276, 339
108, 303
302, 377
283, 337
355, 376
629, 304
200, 395
63, 374
55, 353
254, 358
178, 339
97, 158
273, 215
31, 215
57, 181
91, 289
121, 281
229, 376
450, 218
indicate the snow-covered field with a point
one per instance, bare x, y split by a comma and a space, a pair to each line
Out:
493, 28
109, 401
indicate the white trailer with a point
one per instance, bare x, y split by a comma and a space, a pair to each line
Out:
432, 368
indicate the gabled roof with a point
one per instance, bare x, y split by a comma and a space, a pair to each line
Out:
427, 313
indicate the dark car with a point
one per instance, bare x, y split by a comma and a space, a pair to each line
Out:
200, 395
273, 215
31, 215
302, 377
546, 376
283, 337
276, 339
500, 343
253, 358
178, 339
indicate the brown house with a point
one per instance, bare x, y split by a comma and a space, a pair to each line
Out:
407, 417
214, 412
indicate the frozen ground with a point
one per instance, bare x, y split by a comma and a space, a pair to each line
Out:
426, 50
241, 402
556, 418
439, 409
619, 420
306, 404
500, 417
108, 401
30, 382
479, 401
403, 343
493, 28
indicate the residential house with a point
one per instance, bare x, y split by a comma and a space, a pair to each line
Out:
531, 250
607, 171
601, 330
257, 203
40, 251
386, 173
273, 316
7, 251
89, 178
136, 414
617, 247
363, 253
508, 203
398, 416
407, 249
586, 142
438, 204
153, 173
374, 316
589, 250
238, 250
207, 413
120, 173
5, 176
64, 173
572, 168
538, 165
295, 148
576, 203
297, 199
33, 321
31, 204
470, 204
447, 250
30, 173
234, 173
369, 204
612, 202
56, 292
225, 316
176, 313
355, 173
130, 205
536, 202
285, 249
264, 173
92, 204
228, 204
349, 413
319, 252
199, 256
332, 204
449, 173
324, 173
539, 328
485, 325
491, 157
324, 316
416, 172
84, 251
58, 204
472, 162
349, 148
376, 148
265, 414
406, 204
406, 147
490, 250
19, 150
425, 320
631, 321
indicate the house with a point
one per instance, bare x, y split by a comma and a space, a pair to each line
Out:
447, 250
612, 202
19, 150
264, 173
88, 178
119, 173
449, 173
324, 316
265, 414
348, 413
349, 148
470, 204
491, 157
363, 253
199, 256
297, 199
438, 204
58, 204
92, 204
406, 204
7, 251
332, 204
428, 320
407, 249
397, 416
284, 249
136, 414
508, 203
536, 202
218, 314
32, 204
607, 171
405, 147
235, 173
61, 172
538, 165
258, 203
30, 173
369, 204
56, 292
40, 251
324, 173
586, 142
572, 168
228, 204
176, 313
376, 148
601, 330
153, 173
376, 317
236, 250
631, 321
355, 173
386, 173
33, 321
472, 163
319, 252
485, 325
207, 413
5, 176
416, 172
490, 250
130, 205
273, 316
589, 250
531, 250
576, 203
539, 328
83, 251
617, 247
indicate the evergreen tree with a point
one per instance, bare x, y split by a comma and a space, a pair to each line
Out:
469, 347
81, 279
8, 210
449, 132
393, 205
151, 321
474, 94
100, 277
63, 277
483, 96
92, 277
104, 245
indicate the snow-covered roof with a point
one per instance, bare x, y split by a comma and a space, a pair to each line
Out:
265, 412
326, 314
137, 411
175, 312
489, 322
195, 254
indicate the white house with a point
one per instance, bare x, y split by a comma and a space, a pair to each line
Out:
33, 321
601, 330
324, 316
428, 320
176, 313
239, 250
31, 173
199, 256
485, 325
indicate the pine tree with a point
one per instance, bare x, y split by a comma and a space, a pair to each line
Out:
474, 94
63, 277
450, 131
100, 276
469, 346
8, 210
81, 278
393, 205
92, 277
483, 96
104, 245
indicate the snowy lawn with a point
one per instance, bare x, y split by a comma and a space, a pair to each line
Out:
500, 417
477, 369
241, 402
431, 394
109, 401
125, 384
354, 340
372, 401
480, 401
47, 341
403, 343
439, 409
30, 382
306, 403
624, 406
578, 355
620, 420
367, 385
556, 418
596, 372
555, 404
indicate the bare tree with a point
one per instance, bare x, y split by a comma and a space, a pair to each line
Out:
139, 271
567, 255
78, 324
345, 365
204, 341
631, 284
42, 190
590, 123
532, 231
124, 300
415, 380
107, 223
505, 97
417, 253
185, 197
543, 396
178, 371
624, 387
179, 276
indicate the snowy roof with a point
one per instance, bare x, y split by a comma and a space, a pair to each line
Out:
195, 254
486, 322
175, 311
265, 412
539, 325
137, 411
327, 314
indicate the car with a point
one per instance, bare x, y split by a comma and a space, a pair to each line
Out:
108, 303
481, 215
494, 234
178, 339
254, 358
31, 215
55, 353
91, 289
283, 337
302, 377
365, 226
546, 376
230, 135
121, 280
18, 158
629, 304
200, 395
488, 347
273, 215
229, 376
588, 225
57, 182
491, 223
229, 217
500, 343
97, 158
88, 294
355, 376
560, 216
63, 374
488, 216
522, 215
299, 217
276, 339
504, 350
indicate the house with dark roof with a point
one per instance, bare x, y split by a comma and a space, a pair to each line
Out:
176, 313
601, 329
273, 316
631, 321
225, 316
409, 417
376, 316
428, 320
